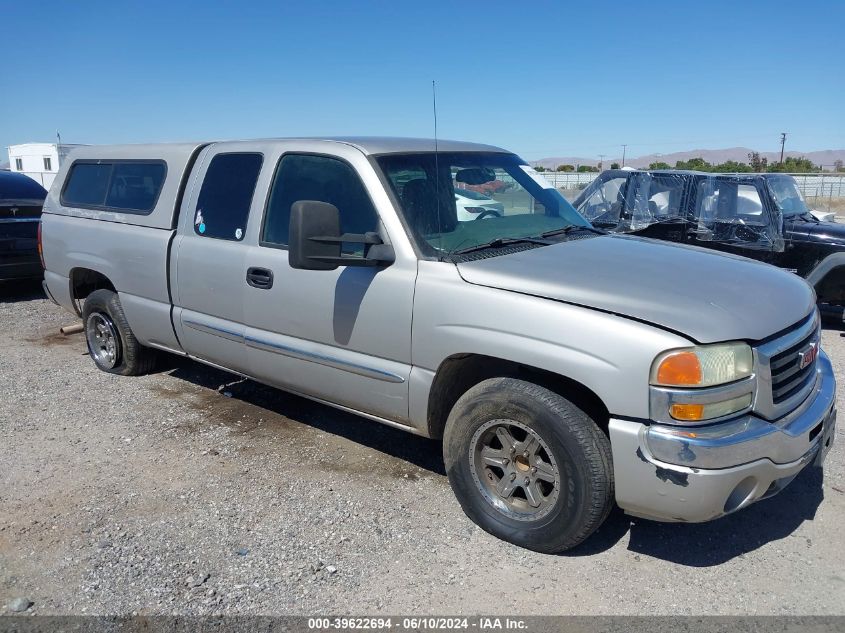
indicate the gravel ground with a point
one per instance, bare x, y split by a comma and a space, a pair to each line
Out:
189, 491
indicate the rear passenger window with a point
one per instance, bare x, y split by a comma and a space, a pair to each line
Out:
122, 186
226, 194
321, 178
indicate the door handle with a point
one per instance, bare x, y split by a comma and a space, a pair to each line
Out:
261, 278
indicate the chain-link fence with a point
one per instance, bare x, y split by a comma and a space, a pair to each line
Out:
823, 192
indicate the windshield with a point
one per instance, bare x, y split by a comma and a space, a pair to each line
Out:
502, 198
787, 196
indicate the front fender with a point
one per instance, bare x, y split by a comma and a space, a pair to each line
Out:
609, 354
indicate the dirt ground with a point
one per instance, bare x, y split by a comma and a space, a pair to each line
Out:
190, 491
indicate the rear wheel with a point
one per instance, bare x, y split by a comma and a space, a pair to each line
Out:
527, 465
111, 343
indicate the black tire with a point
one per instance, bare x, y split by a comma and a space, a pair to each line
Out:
578, 450
130, 358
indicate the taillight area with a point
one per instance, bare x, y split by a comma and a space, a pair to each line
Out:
40, 248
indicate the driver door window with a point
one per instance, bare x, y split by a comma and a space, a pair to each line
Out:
321, 178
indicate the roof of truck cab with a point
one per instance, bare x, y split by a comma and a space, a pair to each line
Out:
366, 144
398, 144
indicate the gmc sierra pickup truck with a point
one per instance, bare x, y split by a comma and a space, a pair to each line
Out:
562, 367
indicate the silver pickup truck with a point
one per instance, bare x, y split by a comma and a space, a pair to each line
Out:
563, 368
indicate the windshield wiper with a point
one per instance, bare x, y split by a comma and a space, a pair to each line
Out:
572, 228
499, 242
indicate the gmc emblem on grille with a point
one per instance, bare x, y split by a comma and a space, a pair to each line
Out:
807, 356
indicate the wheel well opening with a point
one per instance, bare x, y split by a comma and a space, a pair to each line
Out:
457, 374
84, 281
831, 287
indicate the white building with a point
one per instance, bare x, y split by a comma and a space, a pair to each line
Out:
39, 161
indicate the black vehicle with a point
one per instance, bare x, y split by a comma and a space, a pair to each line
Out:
21, 199
761, 216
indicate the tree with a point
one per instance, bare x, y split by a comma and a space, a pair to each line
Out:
585, 168
539, 168
732, 167
614, 165
659, 165
565, 168
697, 164
837, 166
794, 165
757, 164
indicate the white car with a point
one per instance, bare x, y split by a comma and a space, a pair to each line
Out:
475, 206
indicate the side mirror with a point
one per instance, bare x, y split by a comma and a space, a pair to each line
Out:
309, 219
315, 240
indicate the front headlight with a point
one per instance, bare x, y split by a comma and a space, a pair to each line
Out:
702, 366
697, 384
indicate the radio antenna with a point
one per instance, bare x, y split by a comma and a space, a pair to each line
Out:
436, 167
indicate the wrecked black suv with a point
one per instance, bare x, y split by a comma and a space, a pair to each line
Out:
761, 216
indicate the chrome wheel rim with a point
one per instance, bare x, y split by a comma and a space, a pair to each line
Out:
514, 469
103, 340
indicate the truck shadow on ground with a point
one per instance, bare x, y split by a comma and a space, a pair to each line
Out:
419, 451
693, 545
21, 290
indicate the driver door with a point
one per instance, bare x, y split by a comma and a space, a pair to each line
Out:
732, 216
340, 335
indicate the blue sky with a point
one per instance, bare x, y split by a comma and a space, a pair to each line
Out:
542, 79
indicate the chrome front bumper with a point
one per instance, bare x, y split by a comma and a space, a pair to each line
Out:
672, 473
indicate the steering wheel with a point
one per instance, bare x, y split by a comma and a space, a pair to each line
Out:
488, 213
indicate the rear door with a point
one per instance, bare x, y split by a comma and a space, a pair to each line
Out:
210, 268
656, 205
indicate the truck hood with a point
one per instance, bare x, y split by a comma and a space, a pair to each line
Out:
706, 296
825, 232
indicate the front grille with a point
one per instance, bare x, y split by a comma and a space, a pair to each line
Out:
783, 383
788, 378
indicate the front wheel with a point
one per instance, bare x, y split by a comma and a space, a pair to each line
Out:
527, 465
111, 342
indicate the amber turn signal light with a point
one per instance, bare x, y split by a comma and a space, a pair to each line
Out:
682, 368
687, 411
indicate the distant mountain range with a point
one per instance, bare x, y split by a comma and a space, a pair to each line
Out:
826, 157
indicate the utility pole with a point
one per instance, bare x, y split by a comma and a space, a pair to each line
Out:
624, 148
601, 161
782, 143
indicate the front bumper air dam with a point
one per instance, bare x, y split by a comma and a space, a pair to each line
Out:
694, 474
